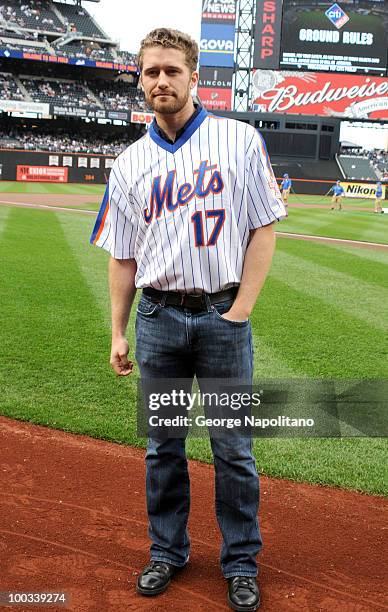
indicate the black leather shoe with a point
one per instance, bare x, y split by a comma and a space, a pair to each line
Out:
155, 578
243, 593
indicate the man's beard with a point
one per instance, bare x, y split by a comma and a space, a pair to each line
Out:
170, 107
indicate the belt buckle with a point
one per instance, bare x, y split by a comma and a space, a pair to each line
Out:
188, 296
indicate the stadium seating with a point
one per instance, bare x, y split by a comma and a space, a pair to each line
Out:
35, 14
357, 168
9, 89
117, 95
379, 161
63, 93
49, 31
127, 58
112, 95
65, 142
40, 15
87, 49
27, 49
79, 20
10, 34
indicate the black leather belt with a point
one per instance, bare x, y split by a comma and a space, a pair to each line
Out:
195, 301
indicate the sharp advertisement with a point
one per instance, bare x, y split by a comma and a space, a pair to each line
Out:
267, 34
327, 95
335, 37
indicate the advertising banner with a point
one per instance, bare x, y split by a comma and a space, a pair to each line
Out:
91, 113
118, 115
219, 10
58, 59
215, 77
138, 117
43, 174
215, 98
217, 45
18, 106
327, 95
267, 34
76, 111
340, 37
361, 190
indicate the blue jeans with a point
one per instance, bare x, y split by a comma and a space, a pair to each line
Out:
173, 342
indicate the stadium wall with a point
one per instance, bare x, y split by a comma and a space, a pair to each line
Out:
53, 167
303, 136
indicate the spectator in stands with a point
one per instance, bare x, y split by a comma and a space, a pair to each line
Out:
118, 96
64, 143
9, 90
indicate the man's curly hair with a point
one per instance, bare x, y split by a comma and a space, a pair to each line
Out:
170, 39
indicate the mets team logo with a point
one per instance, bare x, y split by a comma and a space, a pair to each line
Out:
337, 16
208, 180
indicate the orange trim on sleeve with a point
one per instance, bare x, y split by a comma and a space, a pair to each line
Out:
101, 224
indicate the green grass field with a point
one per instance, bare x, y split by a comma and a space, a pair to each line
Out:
347, 224
321, 314
344, 224
68, 189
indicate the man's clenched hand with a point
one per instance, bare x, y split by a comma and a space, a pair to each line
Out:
119, 357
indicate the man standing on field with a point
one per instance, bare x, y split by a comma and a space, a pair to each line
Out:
338, 192
188, 218
378, 197
285, 187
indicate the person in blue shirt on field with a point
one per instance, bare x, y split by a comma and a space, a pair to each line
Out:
285, 187
378, 197
338, 192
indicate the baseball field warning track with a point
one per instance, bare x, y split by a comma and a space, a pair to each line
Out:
73, 519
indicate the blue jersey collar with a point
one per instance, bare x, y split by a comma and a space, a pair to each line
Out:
189, 131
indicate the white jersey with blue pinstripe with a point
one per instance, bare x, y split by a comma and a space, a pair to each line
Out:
183, 211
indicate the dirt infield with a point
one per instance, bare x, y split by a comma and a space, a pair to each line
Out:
338, 241
73, 519
49, 199
79, 201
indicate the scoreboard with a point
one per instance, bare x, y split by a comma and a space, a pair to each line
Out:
348, 36
338, 37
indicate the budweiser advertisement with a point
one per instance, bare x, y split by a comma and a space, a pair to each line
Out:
215, 98
44, 174
315, 93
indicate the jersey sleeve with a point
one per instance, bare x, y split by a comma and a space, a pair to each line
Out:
265, 203
116, 226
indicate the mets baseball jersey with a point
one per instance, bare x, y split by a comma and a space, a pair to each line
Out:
286, 184
183, 211
379, 191
337, 190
